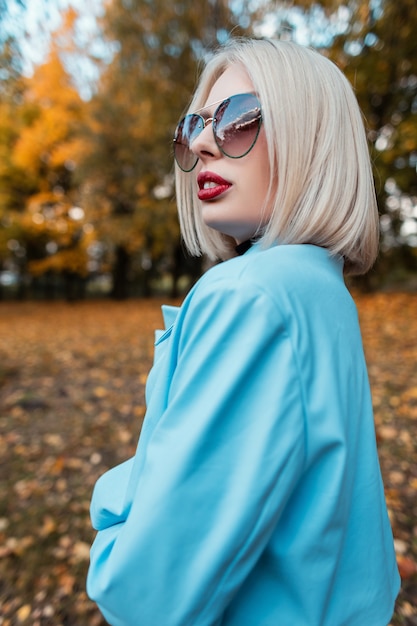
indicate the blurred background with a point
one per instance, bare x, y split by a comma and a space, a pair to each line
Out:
90, 93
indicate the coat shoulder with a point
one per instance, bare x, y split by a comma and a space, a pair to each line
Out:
279, 269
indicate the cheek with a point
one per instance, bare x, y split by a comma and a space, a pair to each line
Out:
260, 196
260, 150
262, 170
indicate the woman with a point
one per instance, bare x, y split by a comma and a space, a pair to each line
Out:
255, 497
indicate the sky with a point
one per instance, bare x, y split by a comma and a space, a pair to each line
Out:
43, 17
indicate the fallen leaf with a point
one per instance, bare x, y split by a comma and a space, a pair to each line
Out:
406, 566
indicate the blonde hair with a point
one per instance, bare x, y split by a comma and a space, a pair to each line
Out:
321, 187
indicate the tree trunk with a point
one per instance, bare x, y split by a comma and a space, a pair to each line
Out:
120, 274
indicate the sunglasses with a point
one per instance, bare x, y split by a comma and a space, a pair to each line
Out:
236, 123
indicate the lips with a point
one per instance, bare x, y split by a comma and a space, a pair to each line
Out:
211, 185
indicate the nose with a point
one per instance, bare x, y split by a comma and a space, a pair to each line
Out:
209, 120
204, 145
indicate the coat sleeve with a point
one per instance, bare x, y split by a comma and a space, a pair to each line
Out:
221, 464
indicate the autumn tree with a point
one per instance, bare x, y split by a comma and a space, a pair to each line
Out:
142, 92
52, 228
374, 43
13, 185
379, 55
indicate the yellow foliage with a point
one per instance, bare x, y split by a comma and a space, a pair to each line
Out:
68, 260
50, 139
67, 154
37, 142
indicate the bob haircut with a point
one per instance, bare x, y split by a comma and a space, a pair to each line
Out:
321, 186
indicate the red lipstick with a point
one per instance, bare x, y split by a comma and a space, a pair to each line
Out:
211, 185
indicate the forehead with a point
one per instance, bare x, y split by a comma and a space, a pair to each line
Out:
233, 80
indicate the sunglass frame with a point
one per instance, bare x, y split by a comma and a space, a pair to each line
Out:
213, 120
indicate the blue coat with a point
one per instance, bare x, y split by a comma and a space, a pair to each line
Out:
255, 496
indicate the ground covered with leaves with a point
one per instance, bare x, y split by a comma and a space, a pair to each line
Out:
71, 404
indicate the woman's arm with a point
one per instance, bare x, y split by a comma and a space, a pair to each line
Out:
220, 466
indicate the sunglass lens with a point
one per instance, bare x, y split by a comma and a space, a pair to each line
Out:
188, 129
237, 124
